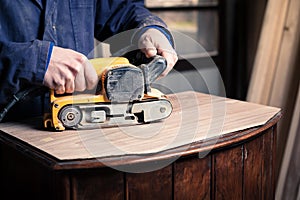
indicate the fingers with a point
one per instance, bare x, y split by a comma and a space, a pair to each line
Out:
80, 81
171, 59
87, 77
150, 52
147, 47
60, 89
70, 87
69, 84
153, 42
90, 74
69, 71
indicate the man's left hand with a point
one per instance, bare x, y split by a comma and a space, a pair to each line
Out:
153, 42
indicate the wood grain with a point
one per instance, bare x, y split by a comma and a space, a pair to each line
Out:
195, 117
97, 184
15, 172
151, 185
287, 60
227, 174
268, 51
289, 178
192, 178
258, 168
275, 75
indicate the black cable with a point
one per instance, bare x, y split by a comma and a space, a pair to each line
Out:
16, 98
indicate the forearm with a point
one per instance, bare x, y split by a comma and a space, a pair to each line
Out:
122, 16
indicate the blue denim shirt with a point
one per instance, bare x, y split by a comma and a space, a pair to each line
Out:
29, 27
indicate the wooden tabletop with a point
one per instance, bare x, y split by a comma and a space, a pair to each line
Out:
199, 122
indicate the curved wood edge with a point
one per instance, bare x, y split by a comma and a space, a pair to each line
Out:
203, 146
28, 150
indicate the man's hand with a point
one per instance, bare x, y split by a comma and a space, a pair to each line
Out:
153, 42
69, 71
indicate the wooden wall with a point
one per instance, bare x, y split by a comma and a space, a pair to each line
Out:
275, 81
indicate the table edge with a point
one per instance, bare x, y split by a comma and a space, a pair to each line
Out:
203, 147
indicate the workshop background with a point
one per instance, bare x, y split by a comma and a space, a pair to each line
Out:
255, 45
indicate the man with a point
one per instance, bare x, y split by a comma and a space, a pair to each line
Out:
46, 42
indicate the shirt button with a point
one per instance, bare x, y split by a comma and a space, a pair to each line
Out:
54, 27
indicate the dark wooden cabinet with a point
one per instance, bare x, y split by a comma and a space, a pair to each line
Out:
240, 169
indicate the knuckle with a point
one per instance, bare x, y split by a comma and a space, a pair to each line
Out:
69, 77
75, 66
81, 58
58, 83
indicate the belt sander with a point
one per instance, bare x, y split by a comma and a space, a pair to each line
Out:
123, 96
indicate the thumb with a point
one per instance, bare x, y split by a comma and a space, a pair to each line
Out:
146, 45
149, 52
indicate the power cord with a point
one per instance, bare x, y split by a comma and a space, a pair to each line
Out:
16, 98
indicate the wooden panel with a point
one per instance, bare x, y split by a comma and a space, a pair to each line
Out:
286, 80
227, 177
253, 153
192, 178
151, 185
22, 177
275, 74
268, 51
215, 115
258, 167
269, 163
61, 186
289, 179
254, 17
287, 64
97, 184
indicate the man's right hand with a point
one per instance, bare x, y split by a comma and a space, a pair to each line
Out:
69, 71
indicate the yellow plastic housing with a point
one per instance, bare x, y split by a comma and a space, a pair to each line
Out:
58, 102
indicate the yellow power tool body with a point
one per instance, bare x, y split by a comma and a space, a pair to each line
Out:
123, 96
